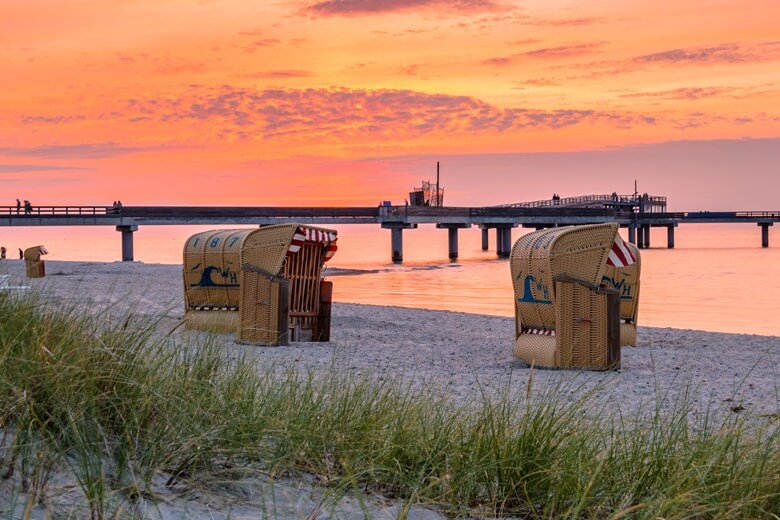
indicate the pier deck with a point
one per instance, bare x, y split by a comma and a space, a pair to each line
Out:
632, 214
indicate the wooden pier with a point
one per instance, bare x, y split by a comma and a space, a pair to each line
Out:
638, 214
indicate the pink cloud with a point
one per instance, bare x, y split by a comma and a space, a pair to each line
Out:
377, 7
685, 93
290, 73
722, 53
342, 115
568, 22
565, 51
545, 53
258, 44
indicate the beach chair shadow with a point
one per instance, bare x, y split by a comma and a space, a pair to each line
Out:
564, 317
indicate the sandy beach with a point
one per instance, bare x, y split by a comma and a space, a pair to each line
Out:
455, 354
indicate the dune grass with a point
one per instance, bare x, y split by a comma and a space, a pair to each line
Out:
120, 406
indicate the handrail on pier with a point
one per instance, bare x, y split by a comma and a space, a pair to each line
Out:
650, 203
47, 211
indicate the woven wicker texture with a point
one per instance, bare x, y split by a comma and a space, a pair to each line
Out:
232, 277
34, 266
212, 265
259, 309
259, 323
581, 327
578, 251
217, 321
536, 258
626, 281
627, 334
536, 350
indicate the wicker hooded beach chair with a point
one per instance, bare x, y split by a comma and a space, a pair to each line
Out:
625, 279
563, 317
263, 284
34, 266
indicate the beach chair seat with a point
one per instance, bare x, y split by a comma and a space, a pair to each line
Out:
265, 284
564, 317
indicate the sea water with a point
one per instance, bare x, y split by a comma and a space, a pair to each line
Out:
717, 278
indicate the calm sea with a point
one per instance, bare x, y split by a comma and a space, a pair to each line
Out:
717, 278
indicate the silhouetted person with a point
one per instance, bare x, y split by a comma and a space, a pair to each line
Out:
21, 254
27, 207
18, 206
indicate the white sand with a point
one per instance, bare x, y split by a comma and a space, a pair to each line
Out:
461, 355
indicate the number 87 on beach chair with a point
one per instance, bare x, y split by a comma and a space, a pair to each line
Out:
564, 316
264, 284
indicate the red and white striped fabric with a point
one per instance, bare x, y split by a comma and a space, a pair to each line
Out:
313, 235
620, 255
534, 330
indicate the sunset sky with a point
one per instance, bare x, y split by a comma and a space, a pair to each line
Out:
349, 102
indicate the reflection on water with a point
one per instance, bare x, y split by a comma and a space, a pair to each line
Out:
718, 278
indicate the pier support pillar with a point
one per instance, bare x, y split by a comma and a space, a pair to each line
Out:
127, 241
452, 235
632, 234
670, 236
765, 233
504, 240
507, 242
646, 235
640, 237
485, 241
499, 242
452, 241
397, 239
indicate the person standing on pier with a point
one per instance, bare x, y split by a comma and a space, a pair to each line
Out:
18, 206
27, 207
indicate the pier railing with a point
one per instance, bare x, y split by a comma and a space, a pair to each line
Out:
650, 203
57, 210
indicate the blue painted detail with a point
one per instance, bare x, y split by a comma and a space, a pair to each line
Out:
207, 281
529, 284
622, 286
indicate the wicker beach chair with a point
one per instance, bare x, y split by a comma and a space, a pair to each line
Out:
563, 317
263, 284
625, 279
34, 266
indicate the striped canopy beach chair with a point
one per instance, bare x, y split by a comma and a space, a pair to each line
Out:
34, 266
564, 317
263, 284
622, 274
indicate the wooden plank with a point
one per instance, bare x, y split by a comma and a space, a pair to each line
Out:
613, 328
322, 331
283, 322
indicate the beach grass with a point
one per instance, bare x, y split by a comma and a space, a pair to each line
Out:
122, 405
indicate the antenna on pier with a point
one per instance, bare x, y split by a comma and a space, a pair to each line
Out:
428, 194
438, 200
